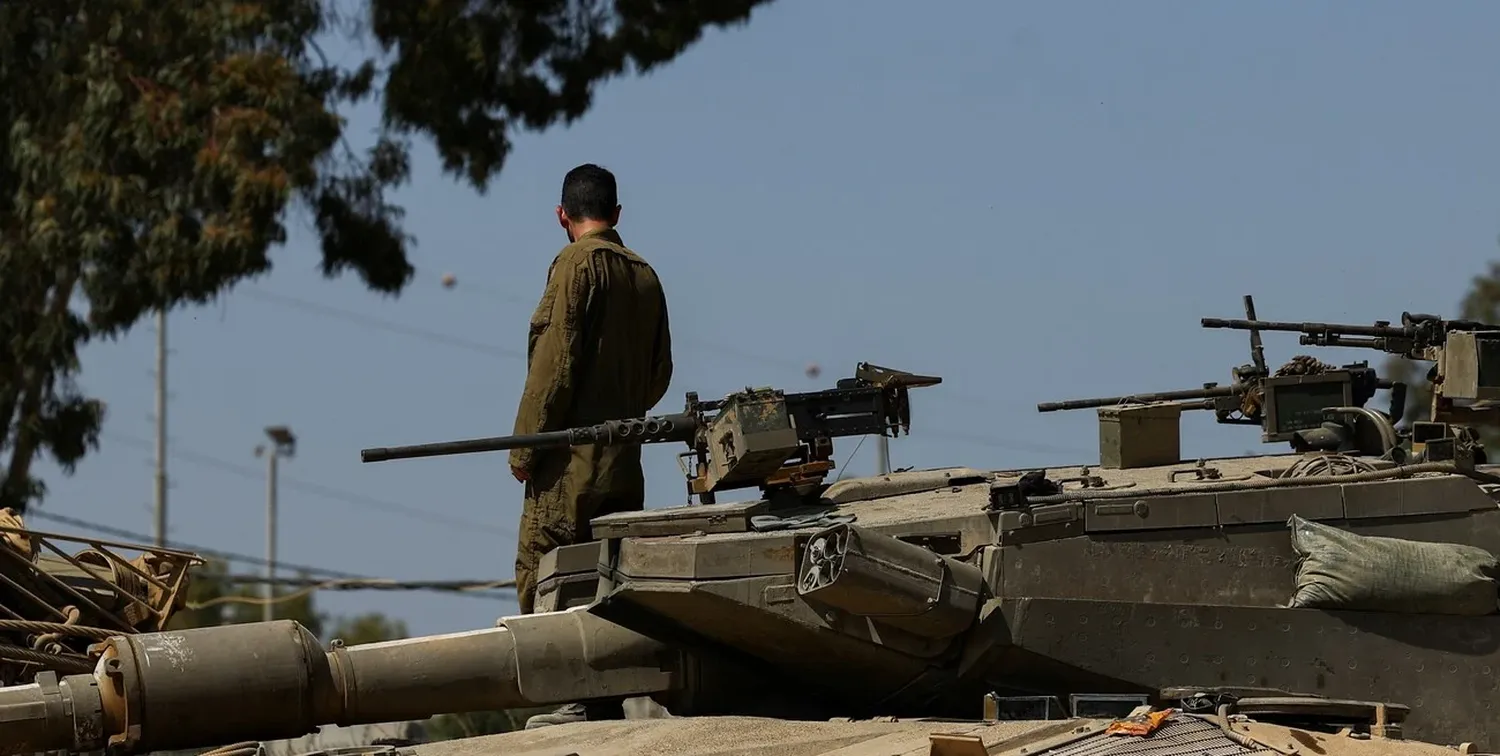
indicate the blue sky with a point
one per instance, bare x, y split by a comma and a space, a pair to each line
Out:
1036, 201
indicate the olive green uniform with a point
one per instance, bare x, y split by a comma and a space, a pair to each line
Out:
600, 349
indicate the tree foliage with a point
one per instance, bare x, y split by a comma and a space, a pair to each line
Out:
1482, 303
213, 600
373, 627
153, 148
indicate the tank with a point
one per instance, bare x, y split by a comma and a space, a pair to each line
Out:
1337, 596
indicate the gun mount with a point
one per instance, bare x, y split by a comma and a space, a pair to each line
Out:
1465, 375
757, 437
1292, 404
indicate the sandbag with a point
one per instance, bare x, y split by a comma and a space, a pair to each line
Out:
1337, 569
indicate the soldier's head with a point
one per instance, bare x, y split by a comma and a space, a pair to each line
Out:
589, 201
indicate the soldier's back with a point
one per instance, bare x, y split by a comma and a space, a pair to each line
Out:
626, 325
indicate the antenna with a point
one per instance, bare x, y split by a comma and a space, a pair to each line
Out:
1257, 352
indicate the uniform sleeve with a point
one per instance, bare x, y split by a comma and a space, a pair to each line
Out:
551, 374
661, 371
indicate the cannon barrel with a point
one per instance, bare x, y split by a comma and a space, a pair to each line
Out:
640, 430
270, 680
1211, 392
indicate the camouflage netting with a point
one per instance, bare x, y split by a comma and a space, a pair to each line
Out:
1340, 570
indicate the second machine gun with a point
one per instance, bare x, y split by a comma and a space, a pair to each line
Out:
1282, 404
761, 437
1465, 375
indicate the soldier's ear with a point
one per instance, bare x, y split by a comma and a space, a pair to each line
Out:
562, 217
614, 217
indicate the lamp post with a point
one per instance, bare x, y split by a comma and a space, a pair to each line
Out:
283, 444
161, 428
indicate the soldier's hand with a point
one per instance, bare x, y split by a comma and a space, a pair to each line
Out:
519, 474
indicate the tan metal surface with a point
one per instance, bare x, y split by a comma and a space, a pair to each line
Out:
736, 736
747, 736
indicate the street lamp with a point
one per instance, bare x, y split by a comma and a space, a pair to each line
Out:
283, 444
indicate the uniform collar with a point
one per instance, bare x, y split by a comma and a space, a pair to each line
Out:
607, 234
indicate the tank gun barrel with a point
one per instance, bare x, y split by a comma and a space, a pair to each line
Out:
1207, 392
270, 680
644, 430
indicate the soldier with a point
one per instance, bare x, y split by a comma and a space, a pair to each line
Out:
600, 349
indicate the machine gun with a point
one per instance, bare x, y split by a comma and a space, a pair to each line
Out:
756, 437
1292, 399
1465, 375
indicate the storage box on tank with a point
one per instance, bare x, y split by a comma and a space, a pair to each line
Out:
1140, 435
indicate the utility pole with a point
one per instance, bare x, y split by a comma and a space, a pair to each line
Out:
283, 444
161, 427
883, 454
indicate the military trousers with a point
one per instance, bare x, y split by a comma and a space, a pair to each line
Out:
556, 515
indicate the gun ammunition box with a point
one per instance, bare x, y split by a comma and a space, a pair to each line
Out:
1141, 435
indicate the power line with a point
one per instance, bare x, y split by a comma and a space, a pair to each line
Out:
335, 494
373, 584
703, 344
386, 325
312, 586
492, 350
330, 580
476, 346
228, 556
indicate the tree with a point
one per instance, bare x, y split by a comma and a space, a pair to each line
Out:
1481, 303
367, 628
154, 148
211, 600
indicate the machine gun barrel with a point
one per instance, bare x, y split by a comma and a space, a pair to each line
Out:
1373, 331
643, 430
1208, 392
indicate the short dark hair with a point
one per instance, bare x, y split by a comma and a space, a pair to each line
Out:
588, 193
